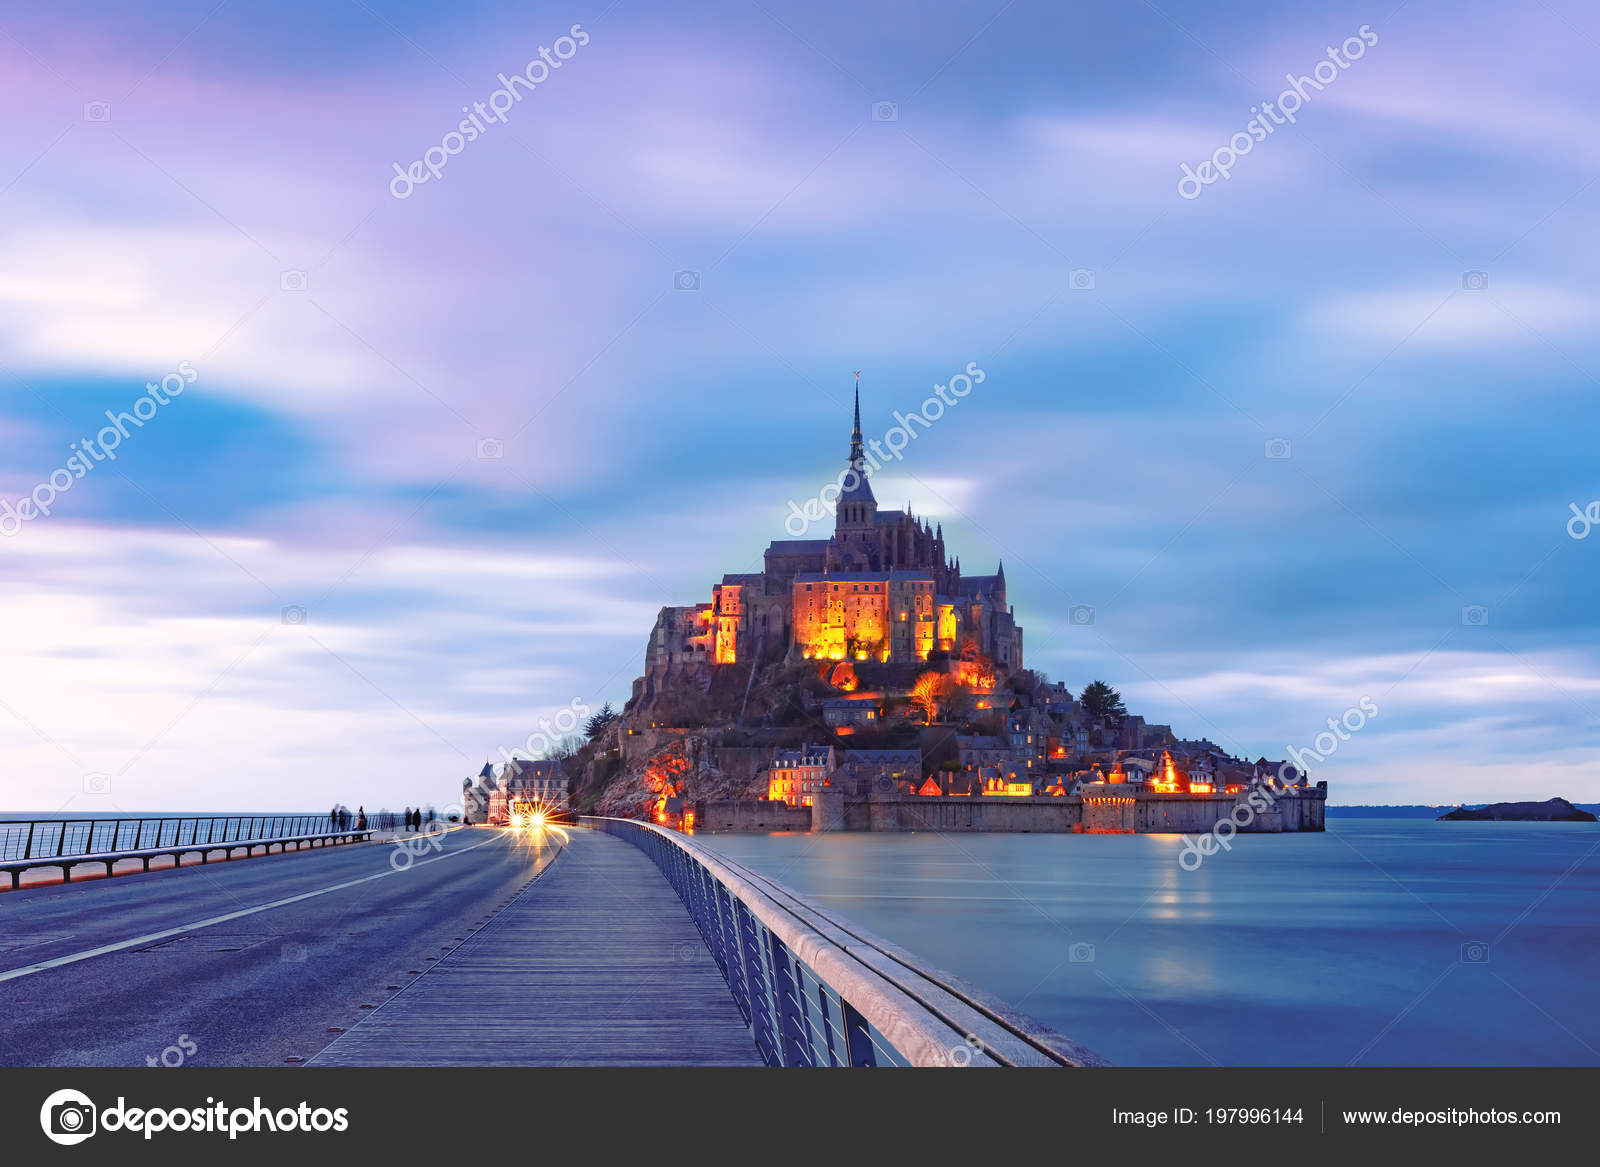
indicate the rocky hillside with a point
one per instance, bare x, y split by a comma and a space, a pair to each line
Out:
724, 729
687, 767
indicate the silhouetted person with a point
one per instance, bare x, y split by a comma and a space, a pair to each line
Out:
333, 816
361, 818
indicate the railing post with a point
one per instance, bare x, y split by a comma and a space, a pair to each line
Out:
827, 1028
734, 967
790, 1026
855, 1033
702, 920
760, 984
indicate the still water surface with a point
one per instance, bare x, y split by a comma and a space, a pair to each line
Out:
1381, 942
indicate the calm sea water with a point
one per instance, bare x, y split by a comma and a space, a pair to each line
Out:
1379, 943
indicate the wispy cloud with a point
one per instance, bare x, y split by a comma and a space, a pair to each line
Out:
358, 351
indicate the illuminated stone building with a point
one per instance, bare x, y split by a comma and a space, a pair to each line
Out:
797, 775
542, 781
880, 588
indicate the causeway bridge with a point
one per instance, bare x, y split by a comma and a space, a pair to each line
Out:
609, 942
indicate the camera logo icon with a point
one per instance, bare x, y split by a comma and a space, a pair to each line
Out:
97, 111
294, 614
293, 280
97, 783
686, 281
292, 953
1081, 279
1475, 281
1080, 615
68, 1117
1475, 952
1475, 616
1278, 449
1081, 953
962, 1055
885, 111
491, 449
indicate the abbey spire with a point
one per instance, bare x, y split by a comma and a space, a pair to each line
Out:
857, 456
856, 488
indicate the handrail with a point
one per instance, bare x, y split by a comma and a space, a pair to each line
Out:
68, 843
72, 838
818, 991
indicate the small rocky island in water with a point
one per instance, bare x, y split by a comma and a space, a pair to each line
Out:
1555, 810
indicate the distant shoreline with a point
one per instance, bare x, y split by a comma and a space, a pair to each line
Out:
1419, 810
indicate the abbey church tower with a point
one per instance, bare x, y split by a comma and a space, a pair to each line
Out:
855, 529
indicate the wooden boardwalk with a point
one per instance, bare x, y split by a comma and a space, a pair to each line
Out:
595, 964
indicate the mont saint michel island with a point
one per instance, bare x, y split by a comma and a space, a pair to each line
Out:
866, 682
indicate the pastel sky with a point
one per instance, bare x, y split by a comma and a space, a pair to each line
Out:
899, 189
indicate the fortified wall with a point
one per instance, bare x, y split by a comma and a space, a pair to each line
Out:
1300, 809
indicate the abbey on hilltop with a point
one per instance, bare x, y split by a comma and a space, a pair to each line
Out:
880, 588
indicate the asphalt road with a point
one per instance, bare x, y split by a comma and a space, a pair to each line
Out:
114, 972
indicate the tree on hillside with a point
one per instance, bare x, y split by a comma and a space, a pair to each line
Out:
1102, 701
565, 748
926, 694
597, 724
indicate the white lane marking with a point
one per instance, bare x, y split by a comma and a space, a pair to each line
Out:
152, 937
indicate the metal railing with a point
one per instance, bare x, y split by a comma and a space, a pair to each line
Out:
66, 843
818, 991
55, 838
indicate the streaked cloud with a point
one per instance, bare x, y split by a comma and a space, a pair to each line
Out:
331, 455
